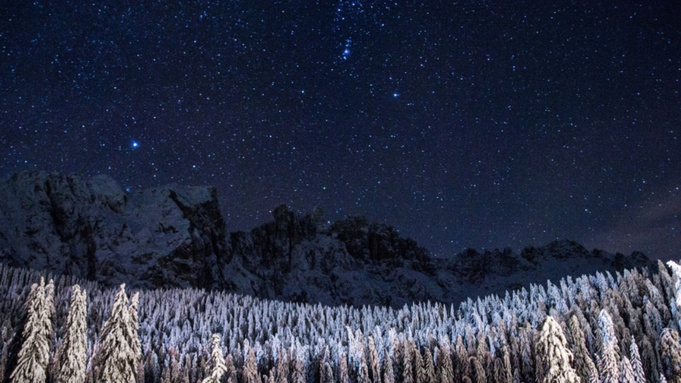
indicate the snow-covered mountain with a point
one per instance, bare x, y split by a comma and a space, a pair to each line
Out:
175, 236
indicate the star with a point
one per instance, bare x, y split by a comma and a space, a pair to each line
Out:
413, 119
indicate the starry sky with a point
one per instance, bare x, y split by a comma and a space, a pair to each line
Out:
464, 124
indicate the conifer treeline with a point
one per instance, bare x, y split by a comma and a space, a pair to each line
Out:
600, 328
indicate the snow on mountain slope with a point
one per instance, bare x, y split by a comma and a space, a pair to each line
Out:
175, 236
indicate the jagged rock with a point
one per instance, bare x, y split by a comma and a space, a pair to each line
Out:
169, 236
175, 236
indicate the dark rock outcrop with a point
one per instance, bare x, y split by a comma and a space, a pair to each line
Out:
175, 236
170, 236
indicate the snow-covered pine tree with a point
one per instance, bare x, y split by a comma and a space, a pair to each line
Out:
503, 371
584, 365
636, 364
250, 370
676, 277
608, 363
358, 355
407, 365
396, 352
626, 371
445, 369
133, 326
670, 352
217, 362
283, 367
325, 370
172, 373
343, 375
34, 354
230, 370
650, 359
429, 366
527, 368
419, 371
388, 372
120, 351
374, 362
298, 373
73, 356
554, 359
478, 370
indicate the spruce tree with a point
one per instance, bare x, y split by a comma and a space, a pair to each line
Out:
283, 367
626, 371
73, 356
584, 365
429, 367
554, 359
343, 375
230, 370
173, 373
670, 352
444, 364
250, 370
676, 303
527, 365
217, 362
119, 351
477, 370
388, 372
636, 364
34, 354
325, 370
419, 371
133, 326
298, 374
374, 362
407, 367
608, 363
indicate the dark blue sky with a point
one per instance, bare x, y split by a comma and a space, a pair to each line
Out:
476, 124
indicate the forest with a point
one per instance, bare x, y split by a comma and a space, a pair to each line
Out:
595, 328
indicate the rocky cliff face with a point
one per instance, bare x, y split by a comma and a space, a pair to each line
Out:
93, 229
175, 236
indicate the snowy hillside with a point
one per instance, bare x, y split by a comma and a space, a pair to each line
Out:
603, 327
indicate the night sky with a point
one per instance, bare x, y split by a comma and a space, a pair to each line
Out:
471, 124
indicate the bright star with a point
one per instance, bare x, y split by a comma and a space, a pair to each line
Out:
135, 144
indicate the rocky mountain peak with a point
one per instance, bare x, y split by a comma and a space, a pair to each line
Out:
91, 228
175, 236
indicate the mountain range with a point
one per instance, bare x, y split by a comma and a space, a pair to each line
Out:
175, 236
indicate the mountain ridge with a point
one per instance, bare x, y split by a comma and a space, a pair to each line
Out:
175, 236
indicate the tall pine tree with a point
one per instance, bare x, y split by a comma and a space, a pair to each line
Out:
73, 356
120, 351
554, 359
250, 371
584, 365
670, 350
608, 363
636, 364
217, 362
34, 354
